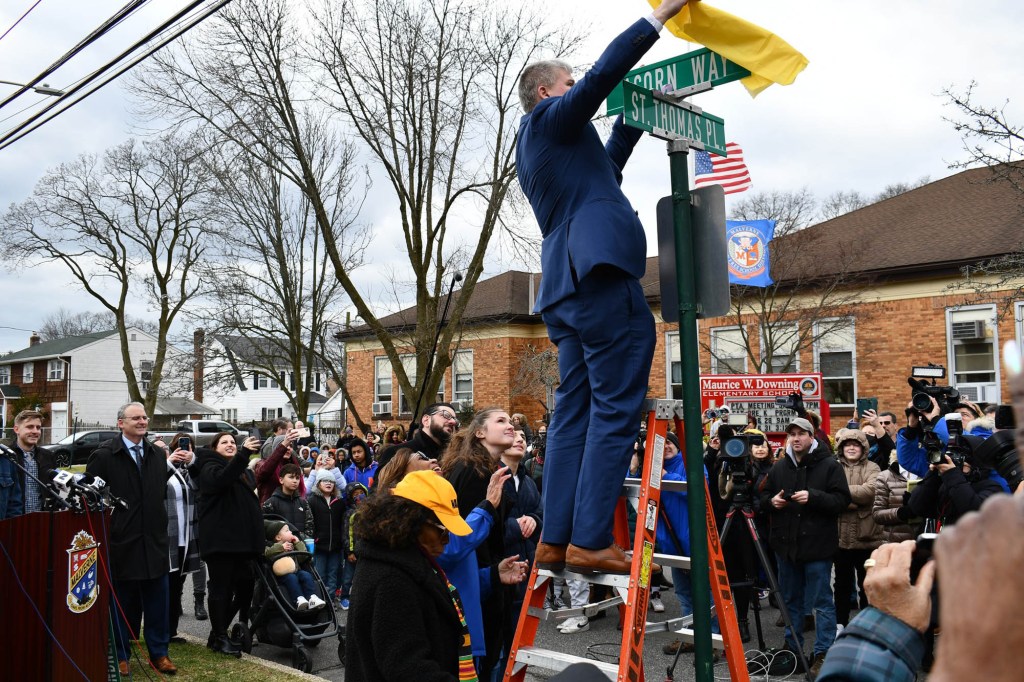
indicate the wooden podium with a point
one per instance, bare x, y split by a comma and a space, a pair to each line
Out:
56, 558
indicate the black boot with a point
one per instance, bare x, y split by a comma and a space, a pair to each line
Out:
744, 631
201, 613
219, 640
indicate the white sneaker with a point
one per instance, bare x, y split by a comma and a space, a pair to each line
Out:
839, 628
316, 602
301, 604
573, 625
657, 605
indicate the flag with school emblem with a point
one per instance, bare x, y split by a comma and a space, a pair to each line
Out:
747, 246
730, 171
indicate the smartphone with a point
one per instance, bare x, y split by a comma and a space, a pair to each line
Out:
922, 553
184, 443
865, 404
303, 432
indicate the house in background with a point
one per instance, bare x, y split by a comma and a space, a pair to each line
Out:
226, 377
907, 306
79, 381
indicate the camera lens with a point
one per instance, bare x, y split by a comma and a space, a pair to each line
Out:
921, 402
734, 447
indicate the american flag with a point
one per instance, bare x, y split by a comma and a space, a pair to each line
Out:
729, 172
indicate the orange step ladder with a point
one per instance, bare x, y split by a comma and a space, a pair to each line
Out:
632, 592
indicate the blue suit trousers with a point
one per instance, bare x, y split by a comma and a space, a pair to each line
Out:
605, 338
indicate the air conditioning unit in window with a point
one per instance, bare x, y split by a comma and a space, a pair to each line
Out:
382, 408
460, 405
979, 393
967, 331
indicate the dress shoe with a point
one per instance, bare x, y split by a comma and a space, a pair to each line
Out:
122, 667
222, 644
175, 639
164, 665
589, 561
550, 557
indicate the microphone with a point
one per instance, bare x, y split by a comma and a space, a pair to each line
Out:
62, 482
99, 486
6, 450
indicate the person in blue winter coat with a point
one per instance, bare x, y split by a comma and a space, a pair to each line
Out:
363, 468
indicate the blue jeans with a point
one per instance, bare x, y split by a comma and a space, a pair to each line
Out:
298, 584
138, 597
809, 582
348, 571
328, 565
681, 583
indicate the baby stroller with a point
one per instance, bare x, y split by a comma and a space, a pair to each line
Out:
276, 621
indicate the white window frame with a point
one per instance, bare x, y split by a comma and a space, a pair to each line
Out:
28, 372
229, 414
1018, 323
458, 369
271, 413
54, 370
672, 350
5, 374
765, 369
382, 366
262, 380
408, 361
715, 333
853, 356
992, 322
145, 375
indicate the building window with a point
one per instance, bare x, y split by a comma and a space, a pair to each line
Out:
409, 365
728, 351
834, 354
27, 373
5, 375
462, 377
262, 380
145, 374
271, 413
229, 414
675, 366
381, 379
782, 337
54, 370
973, 352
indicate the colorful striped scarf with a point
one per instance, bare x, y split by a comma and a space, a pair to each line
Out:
467, 669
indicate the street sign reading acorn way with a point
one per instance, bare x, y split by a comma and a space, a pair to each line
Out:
686, 70
646, 111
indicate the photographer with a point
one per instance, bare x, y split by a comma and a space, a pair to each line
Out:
958, 483
738, 548
534, 463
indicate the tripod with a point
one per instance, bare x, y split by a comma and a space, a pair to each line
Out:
741, 502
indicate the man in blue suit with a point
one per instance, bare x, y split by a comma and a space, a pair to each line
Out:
592, 258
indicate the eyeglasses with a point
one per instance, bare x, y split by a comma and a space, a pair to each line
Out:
420, 455
445, 533
447, 416
887, 423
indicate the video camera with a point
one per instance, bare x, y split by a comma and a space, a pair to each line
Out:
538, 444
922, 392
958, 448
735, 455
794, 401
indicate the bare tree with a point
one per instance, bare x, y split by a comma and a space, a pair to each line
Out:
64, 323
898, 188
776, 323
430, 90
536, 375
990, 139
127, 226
840, 203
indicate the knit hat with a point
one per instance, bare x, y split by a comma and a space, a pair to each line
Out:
436, 494
673, 438
325, 475
800, 423
844, 435
271, 527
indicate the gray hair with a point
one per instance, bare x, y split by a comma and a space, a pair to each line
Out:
536, 75
121, 410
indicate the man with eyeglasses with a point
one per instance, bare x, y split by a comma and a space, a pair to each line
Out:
136, 472
437, 424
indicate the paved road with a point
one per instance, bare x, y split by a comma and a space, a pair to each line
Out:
601, 641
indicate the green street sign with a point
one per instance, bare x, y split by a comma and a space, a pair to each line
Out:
686, 70
669, 120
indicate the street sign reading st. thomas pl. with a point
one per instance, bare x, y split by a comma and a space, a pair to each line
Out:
692, 68
645, 111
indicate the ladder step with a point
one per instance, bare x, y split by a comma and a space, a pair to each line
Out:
631, 487
621, 581
558, 661
686, 635
673, 560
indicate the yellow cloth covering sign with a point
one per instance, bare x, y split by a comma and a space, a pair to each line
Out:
769, 58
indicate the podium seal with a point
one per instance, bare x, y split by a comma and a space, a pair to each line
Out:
83, 587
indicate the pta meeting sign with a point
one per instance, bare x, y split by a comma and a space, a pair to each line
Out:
756, 393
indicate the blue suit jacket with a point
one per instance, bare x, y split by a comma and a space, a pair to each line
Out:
572, 179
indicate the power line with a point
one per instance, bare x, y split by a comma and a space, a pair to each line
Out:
20, 18
34, 123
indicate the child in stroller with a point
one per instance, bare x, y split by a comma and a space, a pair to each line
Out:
295, 580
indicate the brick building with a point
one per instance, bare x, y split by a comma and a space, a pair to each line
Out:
890, 269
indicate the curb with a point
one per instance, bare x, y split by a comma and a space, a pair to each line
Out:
270, 665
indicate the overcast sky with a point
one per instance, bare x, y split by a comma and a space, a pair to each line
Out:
867, 111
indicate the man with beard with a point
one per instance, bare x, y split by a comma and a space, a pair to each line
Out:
437, 425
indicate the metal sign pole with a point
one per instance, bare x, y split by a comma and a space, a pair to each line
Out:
694, 444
